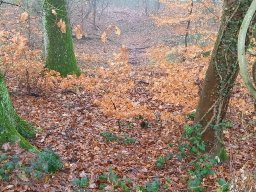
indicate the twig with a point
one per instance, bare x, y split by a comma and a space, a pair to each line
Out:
118, 121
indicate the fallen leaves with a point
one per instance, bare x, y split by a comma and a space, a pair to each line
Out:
104, 37
24, 17
54, 12
62, 26
78, 32
74, 111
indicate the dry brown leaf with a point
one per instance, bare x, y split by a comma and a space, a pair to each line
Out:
62, 26
54, 12
78, 32
117, 31
24, 17
104, 37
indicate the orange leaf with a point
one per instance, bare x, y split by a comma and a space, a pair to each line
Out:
62, 25
24, 17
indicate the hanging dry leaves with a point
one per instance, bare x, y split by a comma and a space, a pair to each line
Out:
117, 31
54, 12
3, 36
78, 32
24, 17
119, 98
104, 37
62, 26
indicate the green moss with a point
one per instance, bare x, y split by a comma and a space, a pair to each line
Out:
60, 51
24, 128
11, 125
223, 154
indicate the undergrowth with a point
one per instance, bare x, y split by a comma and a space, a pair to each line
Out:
111, 137
112, 182
201, 165
46, 162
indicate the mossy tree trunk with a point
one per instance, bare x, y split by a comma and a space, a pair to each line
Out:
220, 77
12, 127
59, 45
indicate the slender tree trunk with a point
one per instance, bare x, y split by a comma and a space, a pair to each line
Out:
254, 65
188, 24
12, 127
220, 77
94, 4
59, 45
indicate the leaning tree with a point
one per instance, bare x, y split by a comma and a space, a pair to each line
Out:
220, 77
58, 38
242, 50
12, 126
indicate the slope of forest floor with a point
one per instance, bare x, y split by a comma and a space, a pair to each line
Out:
72, 124
144, 106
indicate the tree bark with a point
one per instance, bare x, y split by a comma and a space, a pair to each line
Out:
12, 127
220, 77
59, 45
242, 47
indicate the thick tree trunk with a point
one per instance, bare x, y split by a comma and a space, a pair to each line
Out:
59, 51
12, 127
220, 77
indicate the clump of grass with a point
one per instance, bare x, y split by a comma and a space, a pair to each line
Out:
111, 137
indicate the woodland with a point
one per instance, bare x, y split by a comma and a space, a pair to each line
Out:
127, 95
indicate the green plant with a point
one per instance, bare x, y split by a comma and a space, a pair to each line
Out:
108, 136
224, 186
46, 162
114, 180
167, 183
125, 184
83, 182
7, 165
127, 140
160, 162
202, 165
191, 116
103, 177
153, 186
223, 125
117, 182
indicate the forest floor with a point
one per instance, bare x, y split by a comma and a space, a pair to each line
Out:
143, 104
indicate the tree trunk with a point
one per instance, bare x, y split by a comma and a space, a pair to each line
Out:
94, 4
12, 127
59, 45
220, 77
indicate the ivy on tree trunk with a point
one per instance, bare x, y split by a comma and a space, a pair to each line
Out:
59, 45
220, 77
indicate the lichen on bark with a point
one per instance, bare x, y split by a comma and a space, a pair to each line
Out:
59, 51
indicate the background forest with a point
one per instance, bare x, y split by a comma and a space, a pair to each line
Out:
117, 95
